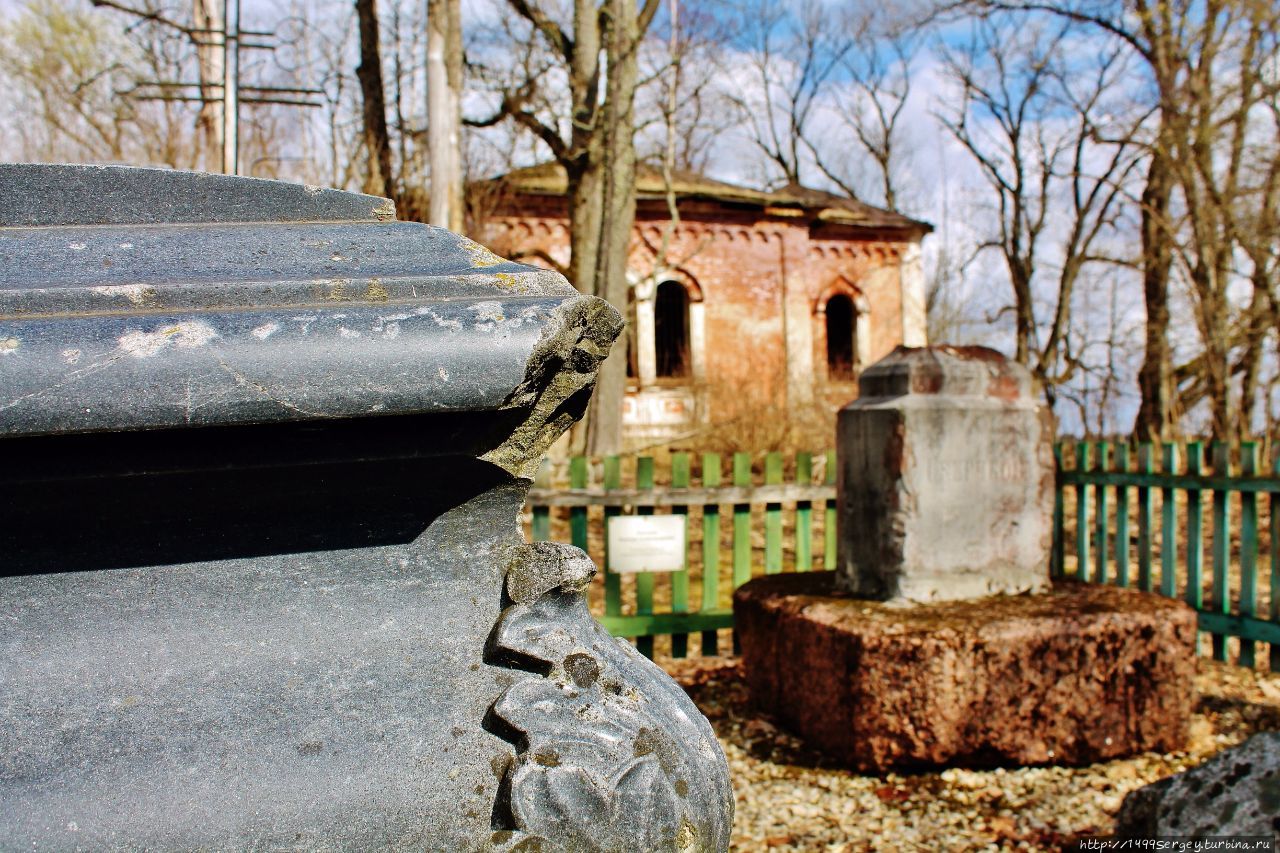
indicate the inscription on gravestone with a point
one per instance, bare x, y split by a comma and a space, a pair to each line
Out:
978, 470
945, 479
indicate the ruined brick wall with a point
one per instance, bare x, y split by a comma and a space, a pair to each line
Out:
762, 279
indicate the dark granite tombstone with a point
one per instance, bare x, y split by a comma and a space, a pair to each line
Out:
262, 451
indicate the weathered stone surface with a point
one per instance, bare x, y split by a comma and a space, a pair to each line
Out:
261, 581
1080, 674
945, 478
1237, 792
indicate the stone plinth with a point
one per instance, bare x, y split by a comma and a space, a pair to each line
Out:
1079, 674
945, 478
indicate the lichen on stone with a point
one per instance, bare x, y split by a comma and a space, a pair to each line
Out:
559, 375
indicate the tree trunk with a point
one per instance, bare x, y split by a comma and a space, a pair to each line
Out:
1024, 310
585, 195
618, 214
207, 15
1217, 374
600, 163
444, 115
586, 210
1155, 384
1260, 319
377, 142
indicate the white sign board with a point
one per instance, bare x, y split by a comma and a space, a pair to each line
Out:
646, 543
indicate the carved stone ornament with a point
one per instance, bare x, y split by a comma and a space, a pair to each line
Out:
611, 755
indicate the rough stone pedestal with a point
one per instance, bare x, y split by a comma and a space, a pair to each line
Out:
945, 478
1082, 673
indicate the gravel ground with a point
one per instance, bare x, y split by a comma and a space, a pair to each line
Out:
790, 798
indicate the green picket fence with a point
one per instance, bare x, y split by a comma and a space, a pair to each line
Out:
1141, 516
1138, 520
763, 513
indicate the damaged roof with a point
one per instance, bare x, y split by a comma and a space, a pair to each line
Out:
792, 200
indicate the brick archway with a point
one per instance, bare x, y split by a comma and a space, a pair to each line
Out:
645, 305
830, 354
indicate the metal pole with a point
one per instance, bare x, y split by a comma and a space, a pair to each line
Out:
231, 89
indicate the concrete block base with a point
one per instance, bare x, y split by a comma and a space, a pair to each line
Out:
1080, 674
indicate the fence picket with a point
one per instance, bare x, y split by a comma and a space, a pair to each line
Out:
710, 550
773, 516
1057, 568
1248, 549
540, 523
1169, 528
1146, 517
578, 479
1082, 514
741, 531
741, 523
1195, 533
804, 515
1273, 506
680, 479
1101, 514
829, 517
644, 580
1220, 600
612, 470
1122, 517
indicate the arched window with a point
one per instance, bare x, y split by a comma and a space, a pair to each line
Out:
671, 330
633, 352
841, 333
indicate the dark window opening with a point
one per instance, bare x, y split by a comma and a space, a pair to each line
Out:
671, 329
840, 338
633, 369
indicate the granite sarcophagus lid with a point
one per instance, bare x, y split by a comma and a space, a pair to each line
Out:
262, 454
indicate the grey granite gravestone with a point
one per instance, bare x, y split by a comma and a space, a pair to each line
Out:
946, 478
262, 451
940, 639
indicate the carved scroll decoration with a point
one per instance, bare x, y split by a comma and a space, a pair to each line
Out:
610, 753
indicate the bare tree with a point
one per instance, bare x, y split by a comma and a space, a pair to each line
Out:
1205, 60
323, 59
791, 52
593, 138
379, 179
204, 35
208, 18
444, 111
878, 68
69, 72
1013, 82
682, 108
1222, 93
1260, 225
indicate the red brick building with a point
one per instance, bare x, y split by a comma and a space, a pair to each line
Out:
752, 300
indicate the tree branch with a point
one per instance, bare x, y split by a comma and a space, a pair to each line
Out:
147, 15
549, 28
